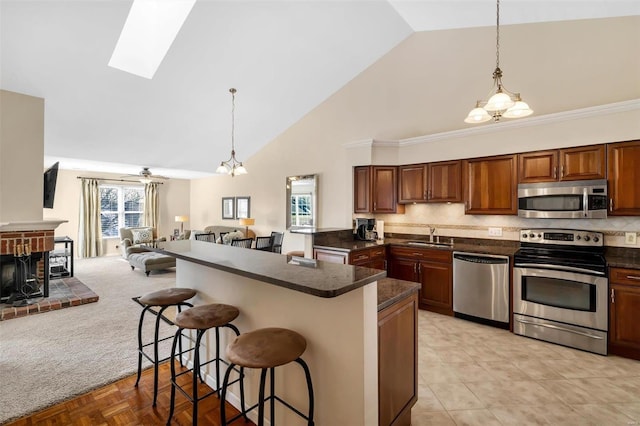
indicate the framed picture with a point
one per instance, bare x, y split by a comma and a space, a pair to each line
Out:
228, 208
243, 207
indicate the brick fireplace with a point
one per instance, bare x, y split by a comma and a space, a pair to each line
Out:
15, 238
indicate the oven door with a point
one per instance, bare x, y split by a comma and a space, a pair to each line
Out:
567, 297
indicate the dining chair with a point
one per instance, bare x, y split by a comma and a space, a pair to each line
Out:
208, 237
264, 243
243, 242
276, 245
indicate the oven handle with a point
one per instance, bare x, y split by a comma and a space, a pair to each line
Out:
581, 333
585, 202
557, 267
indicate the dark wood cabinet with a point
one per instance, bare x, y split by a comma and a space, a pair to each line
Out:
539, 166
375, 190
413, 183
361, 189
433, 269
444, 182
579, 163
397, 362
623, 160
624, 305
490, 185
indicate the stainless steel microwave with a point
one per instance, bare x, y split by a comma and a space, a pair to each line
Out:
585, 199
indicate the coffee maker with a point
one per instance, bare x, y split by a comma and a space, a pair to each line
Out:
365, 229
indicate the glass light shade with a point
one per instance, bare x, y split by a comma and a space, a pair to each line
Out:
499, 102
222, 169
145, 180
520, 109
477, 115
240, 170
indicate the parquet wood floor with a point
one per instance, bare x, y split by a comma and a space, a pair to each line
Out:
121, 403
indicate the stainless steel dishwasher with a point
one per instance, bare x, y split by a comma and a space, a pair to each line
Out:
481, 288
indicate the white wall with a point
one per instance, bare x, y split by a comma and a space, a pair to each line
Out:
566, 65
21, 157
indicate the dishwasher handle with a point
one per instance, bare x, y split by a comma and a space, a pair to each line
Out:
478, 258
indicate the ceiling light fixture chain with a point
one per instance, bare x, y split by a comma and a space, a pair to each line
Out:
502, 103
232, 166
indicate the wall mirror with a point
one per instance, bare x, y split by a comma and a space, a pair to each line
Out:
302, 201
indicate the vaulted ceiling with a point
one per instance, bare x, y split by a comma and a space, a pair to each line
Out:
284, 58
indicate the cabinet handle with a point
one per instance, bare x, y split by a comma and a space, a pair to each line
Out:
375, 205
633, 277
429, 194
384, 262
555, 172
362, 256
610, 204
561, 171
416, 254
613, 296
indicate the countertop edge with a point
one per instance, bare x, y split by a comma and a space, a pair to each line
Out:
274, 281
391, 291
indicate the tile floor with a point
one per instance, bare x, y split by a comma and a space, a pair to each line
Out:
472, 374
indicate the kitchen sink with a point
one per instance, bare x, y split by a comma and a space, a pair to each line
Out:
429, 244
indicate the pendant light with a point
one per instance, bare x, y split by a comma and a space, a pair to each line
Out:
502, 103
232, 166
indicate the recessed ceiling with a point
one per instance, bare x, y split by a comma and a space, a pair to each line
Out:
284, 57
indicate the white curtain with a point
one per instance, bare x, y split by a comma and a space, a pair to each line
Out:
151, 205
90, 232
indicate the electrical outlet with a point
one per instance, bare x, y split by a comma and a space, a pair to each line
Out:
630, 238
495, 232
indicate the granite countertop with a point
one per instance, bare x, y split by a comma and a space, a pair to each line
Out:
499, 247
391, 290
620, 257
322, 279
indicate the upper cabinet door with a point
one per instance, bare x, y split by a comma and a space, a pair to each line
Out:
444, 182
623, 159
539, 166
491, 185
413, 183
361, 189
583, 163
384, 189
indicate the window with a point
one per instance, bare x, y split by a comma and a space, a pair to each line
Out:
120, 206
301, 210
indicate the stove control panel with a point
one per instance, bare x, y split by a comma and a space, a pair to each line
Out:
562, 237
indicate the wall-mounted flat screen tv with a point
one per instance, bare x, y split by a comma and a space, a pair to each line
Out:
50, 178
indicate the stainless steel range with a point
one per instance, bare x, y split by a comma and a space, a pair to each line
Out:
560, 288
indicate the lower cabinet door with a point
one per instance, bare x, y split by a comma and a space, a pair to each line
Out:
624, 332
397, 362
403, 269
437, 287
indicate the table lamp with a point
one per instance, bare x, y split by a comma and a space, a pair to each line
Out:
182, 220
246, 222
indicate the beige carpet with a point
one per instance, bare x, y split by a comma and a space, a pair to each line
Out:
50, 357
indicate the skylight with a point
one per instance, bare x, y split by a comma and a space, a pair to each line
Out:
149, 31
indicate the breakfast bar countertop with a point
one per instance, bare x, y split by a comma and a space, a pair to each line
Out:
317, 278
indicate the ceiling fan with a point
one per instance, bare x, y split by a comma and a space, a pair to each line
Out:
145, 175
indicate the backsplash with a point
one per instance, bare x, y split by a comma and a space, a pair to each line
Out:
450, 221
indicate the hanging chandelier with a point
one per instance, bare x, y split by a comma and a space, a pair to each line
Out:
232, 166
502, 103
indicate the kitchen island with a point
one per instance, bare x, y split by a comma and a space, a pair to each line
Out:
334, 306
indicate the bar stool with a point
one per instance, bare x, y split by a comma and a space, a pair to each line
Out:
266, 348
201, 319
162, 299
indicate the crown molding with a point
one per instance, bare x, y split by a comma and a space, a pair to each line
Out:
557, 117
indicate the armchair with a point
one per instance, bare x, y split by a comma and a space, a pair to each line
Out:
132, 240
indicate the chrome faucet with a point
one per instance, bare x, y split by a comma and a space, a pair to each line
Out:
431, 232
